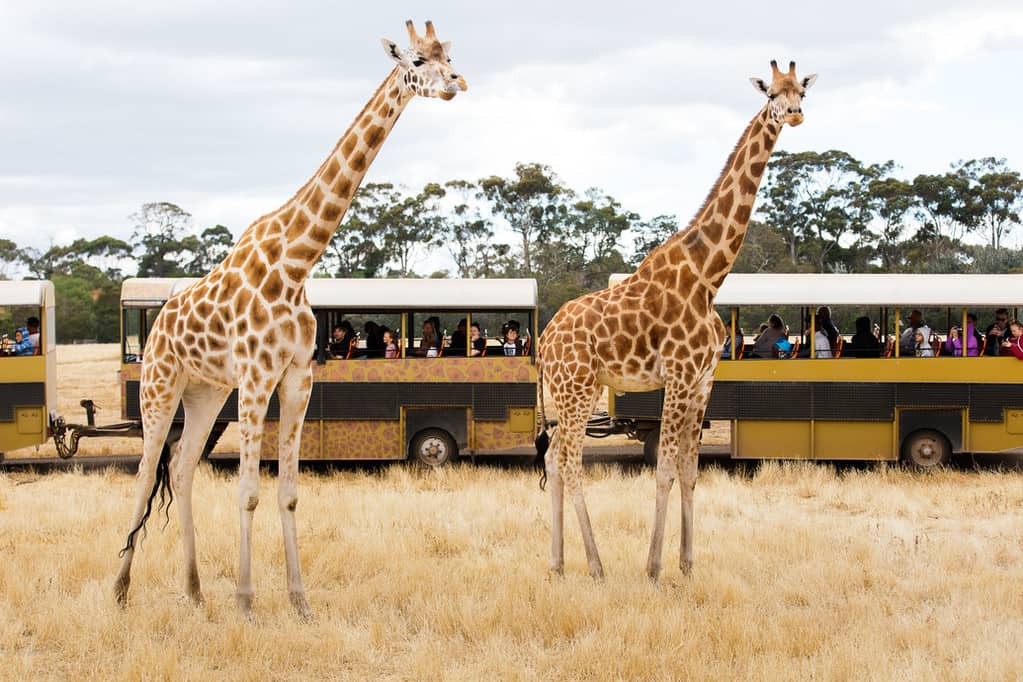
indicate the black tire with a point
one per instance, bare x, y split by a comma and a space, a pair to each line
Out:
433, 448
651, 446
926, 449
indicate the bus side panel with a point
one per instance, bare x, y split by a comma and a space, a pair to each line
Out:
500, 435
361, 439
853, 440
762, 439
309, 448
996, 437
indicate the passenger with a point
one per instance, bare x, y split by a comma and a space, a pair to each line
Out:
764, 344
726, 351
998, 332
341, 340
825, 324
374, 339
512, 342
1014, 345
25, 341
907, 342
458, 339
863, 344
478, 342
390, 347
922, 342
954, 342
822, 345
429, 344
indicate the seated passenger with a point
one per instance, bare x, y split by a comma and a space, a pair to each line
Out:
954, 342
479, 344
390, 347
374, 339
726, 352
29, 343
512, 343
341, 340
458, 339
763, 345
822, 345
922, 342
907, 342
429, 344
863, 344
1014, 344
824, 323
998, 332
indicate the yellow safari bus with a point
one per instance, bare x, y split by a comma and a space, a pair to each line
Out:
28, 372
866, 367
424, 369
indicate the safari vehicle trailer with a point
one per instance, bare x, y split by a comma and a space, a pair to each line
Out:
918, 409
372, 408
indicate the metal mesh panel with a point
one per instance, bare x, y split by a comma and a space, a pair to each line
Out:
854, 401
491, 401
22, 393
646, 405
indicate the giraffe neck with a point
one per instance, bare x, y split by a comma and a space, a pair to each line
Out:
299, 232
710, 243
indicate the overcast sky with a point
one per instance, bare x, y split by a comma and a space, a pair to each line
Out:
226, 108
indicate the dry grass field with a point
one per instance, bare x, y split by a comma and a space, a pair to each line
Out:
802, 571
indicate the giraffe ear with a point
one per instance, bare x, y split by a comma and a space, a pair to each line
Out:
759, 84
809, 80
393, 51
446, 46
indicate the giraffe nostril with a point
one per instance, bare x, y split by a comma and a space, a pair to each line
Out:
455, 76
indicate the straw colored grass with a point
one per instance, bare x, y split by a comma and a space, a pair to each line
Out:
801, 572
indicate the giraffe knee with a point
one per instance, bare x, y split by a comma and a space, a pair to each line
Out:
249, 502
288, 502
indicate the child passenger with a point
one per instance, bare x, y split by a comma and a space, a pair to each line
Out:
390, 347
512, 342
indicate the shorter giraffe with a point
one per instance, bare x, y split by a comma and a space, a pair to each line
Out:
657, 329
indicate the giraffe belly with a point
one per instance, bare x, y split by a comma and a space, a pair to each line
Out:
631, 384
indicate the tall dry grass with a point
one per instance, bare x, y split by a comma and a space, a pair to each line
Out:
801, 572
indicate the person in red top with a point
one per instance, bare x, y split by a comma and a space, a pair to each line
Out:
1014, 345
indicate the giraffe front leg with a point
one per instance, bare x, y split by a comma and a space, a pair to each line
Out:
688, 465
251, 415
557, 507
293, 392
570, 464
665, 478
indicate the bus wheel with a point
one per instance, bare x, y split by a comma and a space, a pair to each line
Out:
434, 447
652, 446
926, 449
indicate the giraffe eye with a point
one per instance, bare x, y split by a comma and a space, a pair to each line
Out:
418, 61
772, 95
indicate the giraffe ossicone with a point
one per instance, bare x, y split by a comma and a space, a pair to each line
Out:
657, 328
248, 325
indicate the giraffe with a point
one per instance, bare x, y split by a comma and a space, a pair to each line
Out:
657, 328
248, 325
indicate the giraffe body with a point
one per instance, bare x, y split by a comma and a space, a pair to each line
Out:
655, 329
248, 325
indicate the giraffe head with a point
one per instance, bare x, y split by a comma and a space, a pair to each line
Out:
427, 68
785, 93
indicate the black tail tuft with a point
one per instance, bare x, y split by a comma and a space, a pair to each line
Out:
543, 441
161, 485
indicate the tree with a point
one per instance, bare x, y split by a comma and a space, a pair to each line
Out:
160, 229
355, 250
208, 249
9, 255
595, 225
532, 203
891, 200
409, 224
764, 249
816, 199
995, 194
650, 234
469, 236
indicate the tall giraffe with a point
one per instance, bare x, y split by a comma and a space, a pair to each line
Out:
248, 325
658, 328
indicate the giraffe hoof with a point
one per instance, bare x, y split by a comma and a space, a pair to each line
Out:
121, 592
244, 603
597, 574
301, 606
687, 566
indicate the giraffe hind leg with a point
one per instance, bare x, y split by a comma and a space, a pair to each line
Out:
572, 431
557, 484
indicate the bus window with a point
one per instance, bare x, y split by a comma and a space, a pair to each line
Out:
358, 335
430, 334
19, 325
506, 333
131, 319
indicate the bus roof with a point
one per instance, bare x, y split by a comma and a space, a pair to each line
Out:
370, 294
854, 289
27, 292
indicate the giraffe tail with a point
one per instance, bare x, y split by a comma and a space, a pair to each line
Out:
543, 439
161, 486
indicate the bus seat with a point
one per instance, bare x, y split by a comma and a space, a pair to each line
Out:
526, 345
983, 347
483, 354
837, 350
890, 348
742, 351
936, 344
352, 347
795, 350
